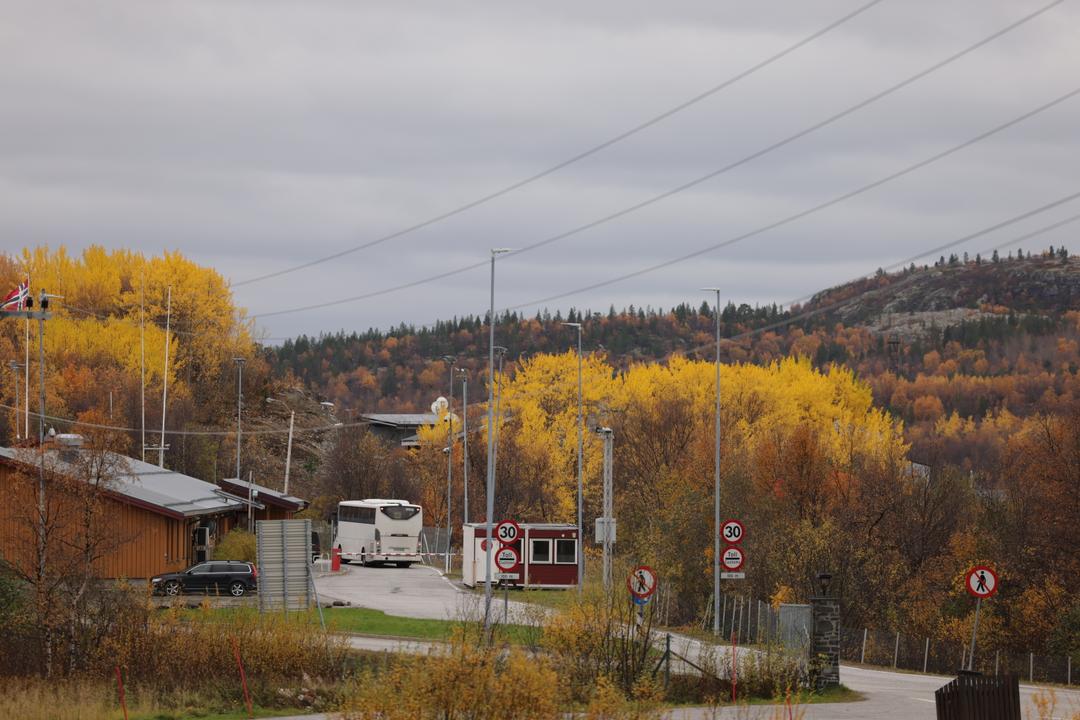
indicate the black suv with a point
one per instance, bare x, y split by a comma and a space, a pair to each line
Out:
215, 576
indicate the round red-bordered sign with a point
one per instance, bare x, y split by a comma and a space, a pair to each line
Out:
732, 532
732, 558
981, 581
641, 582
506, 558
507, 532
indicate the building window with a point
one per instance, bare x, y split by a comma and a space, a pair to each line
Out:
566, 552
539, 551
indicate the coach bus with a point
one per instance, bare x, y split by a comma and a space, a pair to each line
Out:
376, 531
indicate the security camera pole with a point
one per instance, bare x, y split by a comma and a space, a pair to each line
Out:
608, 521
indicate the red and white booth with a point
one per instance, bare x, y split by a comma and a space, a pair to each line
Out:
547, 556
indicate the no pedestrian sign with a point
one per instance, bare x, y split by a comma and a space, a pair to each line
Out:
642, 582
981, 581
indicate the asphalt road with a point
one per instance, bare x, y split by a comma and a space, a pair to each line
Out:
422, 592
419, 592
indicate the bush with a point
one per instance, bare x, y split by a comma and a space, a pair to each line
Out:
237, 545
464, 681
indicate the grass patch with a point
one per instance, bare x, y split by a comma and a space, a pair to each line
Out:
364, 621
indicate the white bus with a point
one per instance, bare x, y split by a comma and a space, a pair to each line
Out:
379, 531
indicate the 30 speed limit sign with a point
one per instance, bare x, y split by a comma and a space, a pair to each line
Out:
507, 532
732, 532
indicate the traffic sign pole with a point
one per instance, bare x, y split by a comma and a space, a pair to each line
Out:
974, 631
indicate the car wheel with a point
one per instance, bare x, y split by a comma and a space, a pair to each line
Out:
172, 588
236, 588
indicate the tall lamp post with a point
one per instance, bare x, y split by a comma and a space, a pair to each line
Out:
465, 443
580, 463
449, 359
495, 252
716, 479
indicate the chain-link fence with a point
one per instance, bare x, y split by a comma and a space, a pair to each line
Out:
907, 652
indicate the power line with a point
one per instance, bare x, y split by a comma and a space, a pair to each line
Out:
749, 333
685, 186
809, 211
217, 433
575, 158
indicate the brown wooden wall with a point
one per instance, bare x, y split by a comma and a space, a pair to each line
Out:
138, 542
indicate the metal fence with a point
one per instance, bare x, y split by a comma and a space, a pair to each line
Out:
908, 652
754, 621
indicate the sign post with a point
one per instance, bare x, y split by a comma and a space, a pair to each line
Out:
981, 582
506, 559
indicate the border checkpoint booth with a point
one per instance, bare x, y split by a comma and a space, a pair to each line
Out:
548, 555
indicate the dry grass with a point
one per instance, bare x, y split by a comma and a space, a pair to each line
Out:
1046, 707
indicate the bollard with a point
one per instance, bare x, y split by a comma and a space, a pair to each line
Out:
1031, 667
335, 560
896, 650
862, 656
925, 654
1068, 669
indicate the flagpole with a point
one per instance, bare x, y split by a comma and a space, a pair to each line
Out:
26, 369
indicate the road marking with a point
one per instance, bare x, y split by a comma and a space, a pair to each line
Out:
923, 700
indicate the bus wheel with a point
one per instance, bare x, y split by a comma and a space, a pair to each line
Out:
403, 564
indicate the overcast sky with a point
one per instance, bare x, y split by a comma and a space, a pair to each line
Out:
258, 136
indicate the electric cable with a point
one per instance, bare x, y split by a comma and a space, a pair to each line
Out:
685, 186
573, 159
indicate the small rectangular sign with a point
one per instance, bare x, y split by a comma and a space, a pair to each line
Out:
506, 576
732, 576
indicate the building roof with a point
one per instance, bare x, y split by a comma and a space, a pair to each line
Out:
157, 489
265, 494
401, 420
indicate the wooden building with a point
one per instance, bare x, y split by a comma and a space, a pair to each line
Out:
145, 520
266, 503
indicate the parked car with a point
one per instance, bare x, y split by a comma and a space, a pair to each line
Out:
216, 576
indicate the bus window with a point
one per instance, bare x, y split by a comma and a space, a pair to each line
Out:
399, 512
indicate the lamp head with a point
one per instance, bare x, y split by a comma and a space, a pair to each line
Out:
824, 578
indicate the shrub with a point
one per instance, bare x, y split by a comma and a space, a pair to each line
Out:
464, 681
237, 545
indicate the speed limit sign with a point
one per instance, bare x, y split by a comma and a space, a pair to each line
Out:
732, 532
507, 532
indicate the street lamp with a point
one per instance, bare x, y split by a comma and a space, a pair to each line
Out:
580, 444
501, 351
449, 359
716, 478
288, 447
495, 252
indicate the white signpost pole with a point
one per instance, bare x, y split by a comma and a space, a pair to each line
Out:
974, 631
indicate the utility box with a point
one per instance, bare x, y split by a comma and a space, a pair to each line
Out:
547, 557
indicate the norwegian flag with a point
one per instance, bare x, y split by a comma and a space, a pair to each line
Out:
16, 299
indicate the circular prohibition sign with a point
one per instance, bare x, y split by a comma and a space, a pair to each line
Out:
732, 532
507, 532
641, 582
732, 558
506, 558
981, 581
